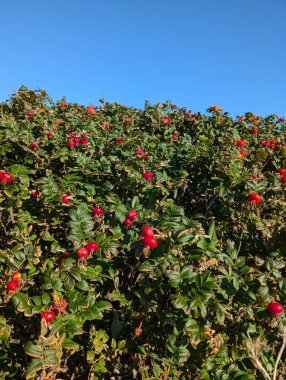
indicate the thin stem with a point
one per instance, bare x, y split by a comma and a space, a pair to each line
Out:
280, 354
11, 213
255, 360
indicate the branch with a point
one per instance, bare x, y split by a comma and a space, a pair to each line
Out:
280, 354
254, 358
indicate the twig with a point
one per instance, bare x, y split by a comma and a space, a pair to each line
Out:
254, 358
280, 354
11, 214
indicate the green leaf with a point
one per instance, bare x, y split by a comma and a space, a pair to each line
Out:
46, 236
35, 366
92, 314
82, 285
46, 298
33, 350
103, 305
17, 169
71, 345
69, 283
181, 302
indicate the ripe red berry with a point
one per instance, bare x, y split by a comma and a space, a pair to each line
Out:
283, 179
84, 141
118, 141
132, 214
127, 222
5, 178
76, 141
51, 135
12, 285
175, 137
82, 253
33, 145
65, 198
262, 143
146, 157
48, 315
71, 144
242, 152
255, 129
275, 308
241, 118
254, 198
166, 120
281, 171
34, 193
148, 175
97, 211
240, 143
254, 176
92, 246
271, 144
140, 152
147, 231
150, 242
30, 113
281, 119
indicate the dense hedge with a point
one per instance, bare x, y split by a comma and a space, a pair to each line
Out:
194, 307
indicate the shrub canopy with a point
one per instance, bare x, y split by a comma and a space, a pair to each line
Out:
194, 307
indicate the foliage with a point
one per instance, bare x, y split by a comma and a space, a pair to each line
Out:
200, 297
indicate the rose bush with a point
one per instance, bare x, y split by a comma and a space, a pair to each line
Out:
180, 291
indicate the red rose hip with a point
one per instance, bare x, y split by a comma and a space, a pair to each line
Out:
148, 175
33, 145
97, 211
275, 308
254, 198
281, 171
48, 316
12, 285
132, 214
240, 143
150, 242
82, 253
140, 152
65, 198
71, 144
92, 246
147, 231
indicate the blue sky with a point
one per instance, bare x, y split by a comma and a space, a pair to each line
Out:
193, 52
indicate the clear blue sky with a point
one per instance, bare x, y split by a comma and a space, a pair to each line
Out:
193, 52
